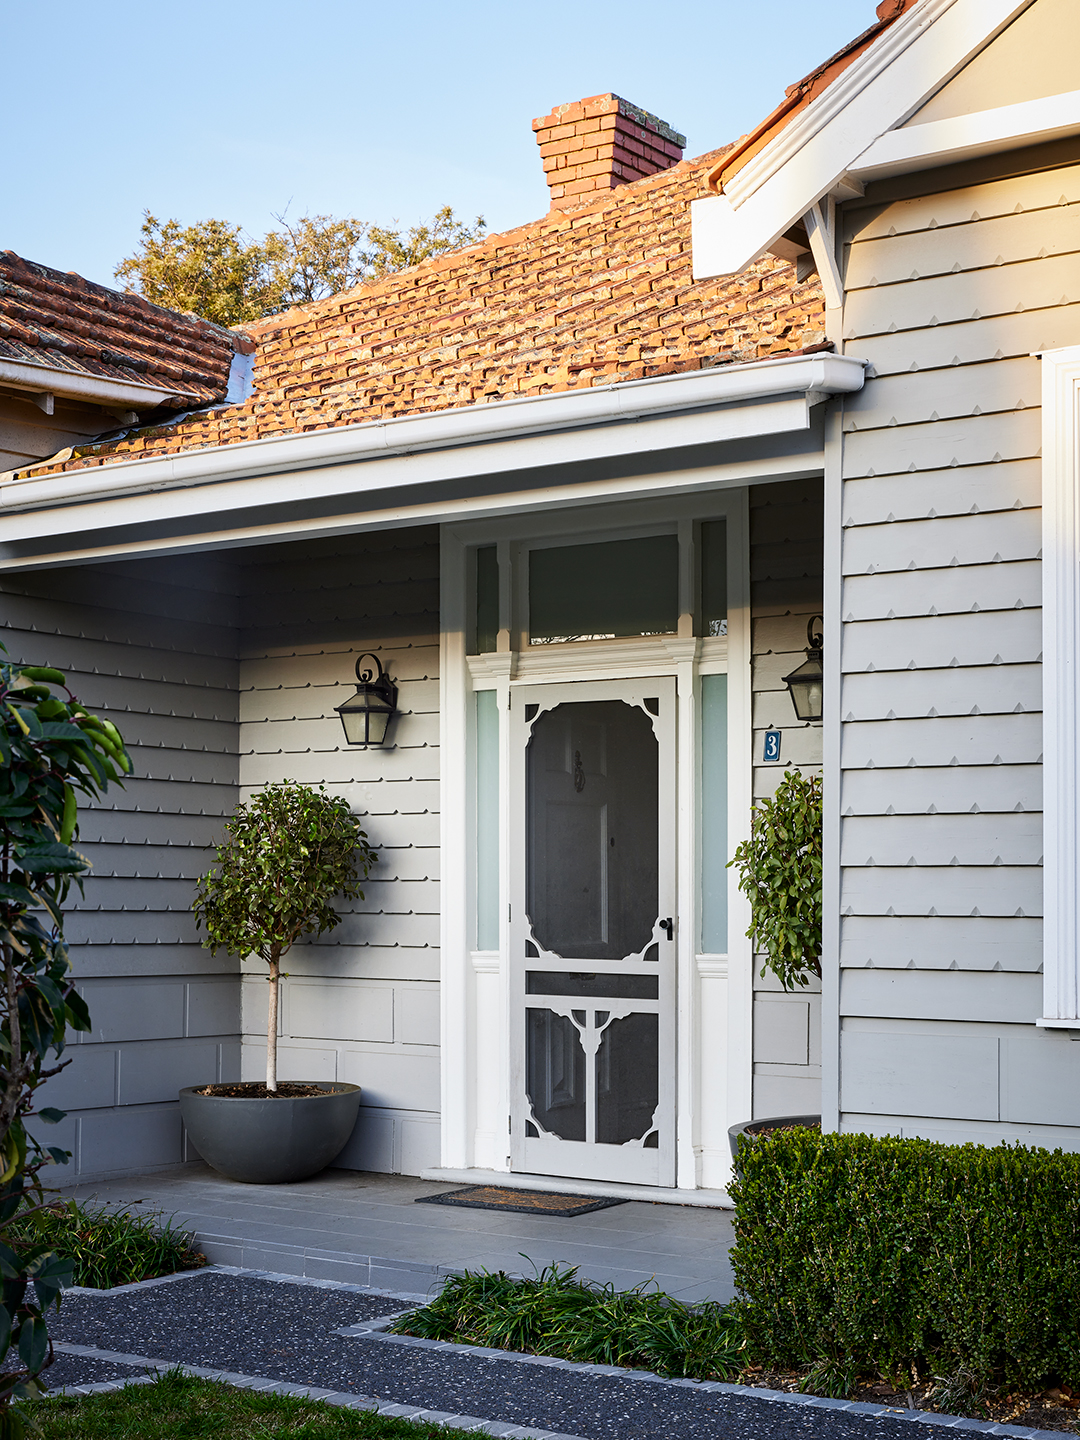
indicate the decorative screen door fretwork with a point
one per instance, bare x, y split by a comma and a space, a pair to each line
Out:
592, 964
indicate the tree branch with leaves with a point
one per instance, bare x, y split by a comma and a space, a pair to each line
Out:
52, 750
779, 870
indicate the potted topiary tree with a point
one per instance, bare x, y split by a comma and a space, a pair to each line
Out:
286, 856
779, 871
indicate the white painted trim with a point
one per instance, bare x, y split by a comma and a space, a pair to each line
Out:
83, 544
455, 943
812, 154
740, 958
963, 137
821, 231
832, 776
1061, 683
830, 105
326, 456
97, 389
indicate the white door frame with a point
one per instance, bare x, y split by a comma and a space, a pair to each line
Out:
715, 991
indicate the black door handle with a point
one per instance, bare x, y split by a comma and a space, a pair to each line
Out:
668, 925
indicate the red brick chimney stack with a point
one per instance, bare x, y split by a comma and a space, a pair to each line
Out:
592, 145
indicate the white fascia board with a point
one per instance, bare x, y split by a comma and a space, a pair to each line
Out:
97, 389
881, 89
963, 137
728, 401
772, 462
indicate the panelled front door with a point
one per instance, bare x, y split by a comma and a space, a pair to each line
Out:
592, 960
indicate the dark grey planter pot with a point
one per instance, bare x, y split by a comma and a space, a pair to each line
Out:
271, 1142
751, 1127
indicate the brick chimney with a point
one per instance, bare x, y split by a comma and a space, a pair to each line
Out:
592, 145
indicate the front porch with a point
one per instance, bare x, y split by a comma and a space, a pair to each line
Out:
365, 1229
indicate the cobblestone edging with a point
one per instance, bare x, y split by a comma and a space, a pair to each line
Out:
374, 1330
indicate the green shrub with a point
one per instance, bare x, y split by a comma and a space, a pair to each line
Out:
558, 1314
863, 1255
107, 1247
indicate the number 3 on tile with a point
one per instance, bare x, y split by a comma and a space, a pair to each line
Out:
771, 749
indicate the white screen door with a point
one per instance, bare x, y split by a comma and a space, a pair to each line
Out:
592, 959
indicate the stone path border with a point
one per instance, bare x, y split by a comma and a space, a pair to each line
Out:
301, 1392
375, 1330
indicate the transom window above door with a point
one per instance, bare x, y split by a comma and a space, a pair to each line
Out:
588, 590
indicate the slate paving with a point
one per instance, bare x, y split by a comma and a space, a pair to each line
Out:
366, 1229
286, 1331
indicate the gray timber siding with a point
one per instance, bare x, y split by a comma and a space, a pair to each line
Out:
362, 1002
949, 293
786, 564
222, 672
152, 645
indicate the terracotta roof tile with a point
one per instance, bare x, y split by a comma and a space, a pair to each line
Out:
74, 325
587, 296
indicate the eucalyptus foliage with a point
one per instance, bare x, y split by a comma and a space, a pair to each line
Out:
780, 874
286, 856
52, 750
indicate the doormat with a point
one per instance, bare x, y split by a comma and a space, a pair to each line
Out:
525, 1202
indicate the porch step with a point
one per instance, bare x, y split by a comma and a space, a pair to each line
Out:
659, 1194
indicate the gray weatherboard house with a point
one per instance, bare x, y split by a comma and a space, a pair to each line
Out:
581, 500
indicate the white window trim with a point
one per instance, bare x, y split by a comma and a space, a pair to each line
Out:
1061, 686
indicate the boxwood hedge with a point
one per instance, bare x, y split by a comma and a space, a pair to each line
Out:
870, 1255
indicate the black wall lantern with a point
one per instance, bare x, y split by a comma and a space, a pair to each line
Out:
366, 714
805, 683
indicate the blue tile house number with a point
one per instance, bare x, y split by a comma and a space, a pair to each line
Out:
772, 745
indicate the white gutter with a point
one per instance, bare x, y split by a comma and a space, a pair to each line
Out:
814, 377
72, 385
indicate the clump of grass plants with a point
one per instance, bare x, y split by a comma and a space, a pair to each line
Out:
180, 1407
558, 1314
108, 1246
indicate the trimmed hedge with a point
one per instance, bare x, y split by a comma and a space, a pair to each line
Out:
860, 1255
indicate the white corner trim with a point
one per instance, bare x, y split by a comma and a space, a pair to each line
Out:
813, 153
1061, 683
963, 137
72, 385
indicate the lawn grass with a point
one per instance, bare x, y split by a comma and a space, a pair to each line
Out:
109, 1246
182, 1407
558, 1314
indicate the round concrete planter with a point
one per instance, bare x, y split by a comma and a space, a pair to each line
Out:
752, 1127
265, 1141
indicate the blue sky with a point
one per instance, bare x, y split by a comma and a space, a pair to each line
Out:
386, 111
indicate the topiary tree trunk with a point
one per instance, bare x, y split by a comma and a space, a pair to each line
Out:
286, 856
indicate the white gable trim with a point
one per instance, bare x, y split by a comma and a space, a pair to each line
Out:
963, 137
812, 154
1061, 687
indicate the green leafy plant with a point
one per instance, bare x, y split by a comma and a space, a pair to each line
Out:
780, 874
858, 1254
558, 1314
51, 751
286, 856
107, 1246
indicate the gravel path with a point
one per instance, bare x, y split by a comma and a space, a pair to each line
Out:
284, 1331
